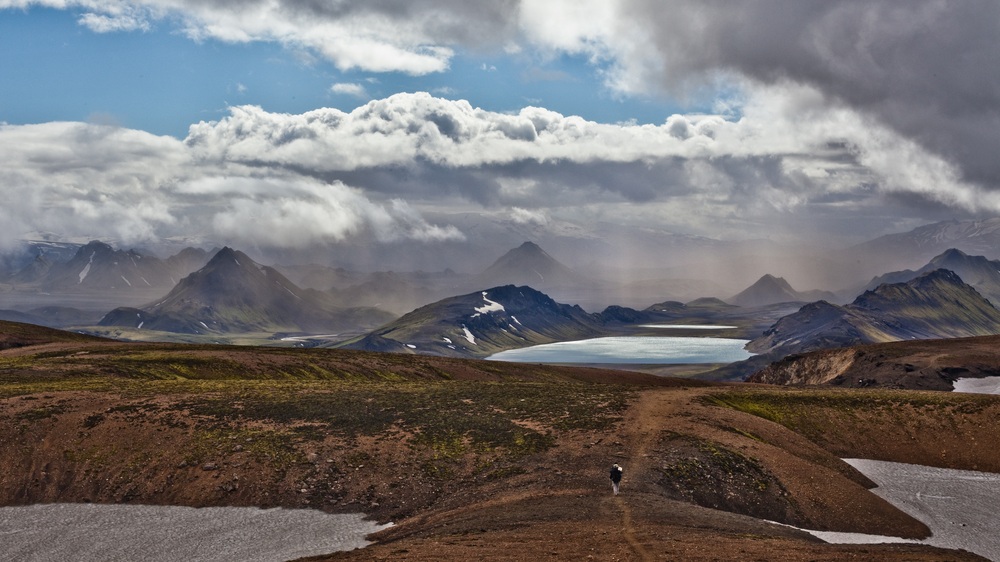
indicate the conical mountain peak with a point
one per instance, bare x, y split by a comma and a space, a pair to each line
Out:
528, 264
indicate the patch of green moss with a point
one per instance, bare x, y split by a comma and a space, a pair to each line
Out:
37, 414
800, 410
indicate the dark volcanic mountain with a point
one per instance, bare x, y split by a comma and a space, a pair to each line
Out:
935, 305
977, 271
233, 293
772, 290
482, 323
527, 264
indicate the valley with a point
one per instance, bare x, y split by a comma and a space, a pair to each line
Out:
238, 387
471, 458
337, 280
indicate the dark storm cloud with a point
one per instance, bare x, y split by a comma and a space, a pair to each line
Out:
928, 68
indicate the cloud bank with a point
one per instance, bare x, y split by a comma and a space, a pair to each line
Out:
326, 176
837, 108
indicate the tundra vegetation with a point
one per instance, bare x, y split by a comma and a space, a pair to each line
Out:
470, 458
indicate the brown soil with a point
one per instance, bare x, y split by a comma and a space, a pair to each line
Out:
700, 478
917, 365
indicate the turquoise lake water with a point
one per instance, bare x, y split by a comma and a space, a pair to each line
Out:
631, 349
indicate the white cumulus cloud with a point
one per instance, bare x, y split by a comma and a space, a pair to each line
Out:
349, 89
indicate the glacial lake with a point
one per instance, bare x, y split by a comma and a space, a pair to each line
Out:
631, 350
61, 532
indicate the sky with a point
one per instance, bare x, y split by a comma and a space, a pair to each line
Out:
299, 123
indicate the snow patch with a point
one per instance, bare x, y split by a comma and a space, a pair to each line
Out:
469, 336
491, 306
176, 534
127, 282
204, 324
958, 506
987, 385
411, 346
514, 318
447, 340
139, 327
86, 268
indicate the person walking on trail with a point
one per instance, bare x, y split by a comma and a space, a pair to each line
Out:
616, 477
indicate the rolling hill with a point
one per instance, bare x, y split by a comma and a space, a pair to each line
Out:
473, 459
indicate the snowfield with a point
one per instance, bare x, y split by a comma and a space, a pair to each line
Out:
959, 506
60, 532
987, 385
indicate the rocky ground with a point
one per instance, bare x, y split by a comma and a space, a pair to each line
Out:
477, 460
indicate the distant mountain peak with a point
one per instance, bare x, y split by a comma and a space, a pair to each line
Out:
233, 293
767, 278
950, 253
528, 264
767, 290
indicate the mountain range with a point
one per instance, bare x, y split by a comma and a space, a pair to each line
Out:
97, 266
981, 273
232, 293
908, 249
937, 304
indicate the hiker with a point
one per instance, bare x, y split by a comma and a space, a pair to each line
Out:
616, 477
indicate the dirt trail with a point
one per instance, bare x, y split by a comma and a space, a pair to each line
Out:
641, 430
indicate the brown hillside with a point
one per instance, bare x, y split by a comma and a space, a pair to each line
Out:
474, 459
926, 365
